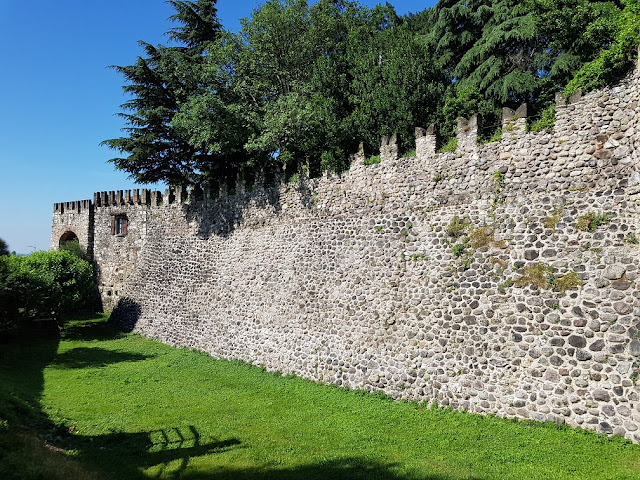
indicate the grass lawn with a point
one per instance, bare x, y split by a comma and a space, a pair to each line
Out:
124, 407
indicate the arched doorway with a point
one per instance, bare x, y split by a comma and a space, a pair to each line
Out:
68, 236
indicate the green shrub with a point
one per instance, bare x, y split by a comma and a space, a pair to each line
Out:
438, 177
74, 248
551, 221
545, 121
632, 239
43, 283
457, 227
534, 275
372, 160
543, 277
450, 146
565, 282
458, 249
484, 237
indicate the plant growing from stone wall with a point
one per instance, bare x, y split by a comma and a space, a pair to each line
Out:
457, 226
450, 146
485, 237
591, 221
546, 120
372, 160
551, 221
543, 277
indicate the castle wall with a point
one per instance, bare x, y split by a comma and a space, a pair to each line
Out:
361, 281
73, 217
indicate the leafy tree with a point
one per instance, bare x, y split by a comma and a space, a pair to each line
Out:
615, 61
466, 102
301, 85
160, 84
289, 90
573, 32
42, 283
395, 85
4, 248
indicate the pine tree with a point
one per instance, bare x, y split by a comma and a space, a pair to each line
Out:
160, 83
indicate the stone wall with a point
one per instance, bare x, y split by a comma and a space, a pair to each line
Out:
73, 218
477, 279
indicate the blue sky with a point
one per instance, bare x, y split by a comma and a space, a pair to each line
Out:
59, 99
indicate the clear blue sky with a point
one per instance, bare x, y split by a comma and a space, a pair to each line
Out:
59, 99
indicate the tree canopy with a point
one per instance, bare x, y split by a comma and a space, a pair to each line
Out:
301, 85
41, 284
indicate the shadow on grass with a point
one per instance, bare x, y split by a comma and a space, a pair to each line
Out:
94, 357
167, 452
91, 329
341, 469
114, 455
162, 453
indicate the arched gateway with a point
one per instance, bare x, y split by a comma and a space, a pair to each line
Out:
68, 236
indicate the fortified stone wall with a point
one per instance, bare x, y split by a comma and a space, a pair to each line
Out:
502, 278
73, 219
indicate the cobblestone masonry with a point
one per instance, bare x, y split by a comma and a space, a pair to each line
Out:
502, 278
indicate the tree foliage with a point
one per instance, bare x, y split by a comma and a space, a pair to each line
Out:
159, 84
302, 84
42, 283
612, 62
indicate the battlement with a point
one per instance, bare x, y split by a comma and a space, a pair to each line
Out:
592, 120
77, 206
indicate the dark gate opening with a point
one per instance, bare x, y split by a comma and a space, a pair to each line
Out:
68, 237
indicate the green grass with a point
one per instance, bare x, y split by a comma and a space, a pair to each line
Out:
129, 408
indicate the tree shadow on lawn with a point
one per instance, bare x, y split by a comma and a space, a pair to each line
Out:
81, 357
351, 468
22, 362
126, 455
91, 329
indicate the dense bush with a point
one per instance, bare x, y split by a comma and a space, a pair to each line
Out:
41, 284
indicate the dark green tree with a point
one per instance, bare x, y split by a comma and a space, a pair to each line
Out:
4, 248
451, 28
502, 62
396, 84
160, 83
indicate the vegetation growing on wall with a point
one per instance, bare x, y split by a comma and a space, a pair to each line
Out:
544, 276
590, 221
218, 103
